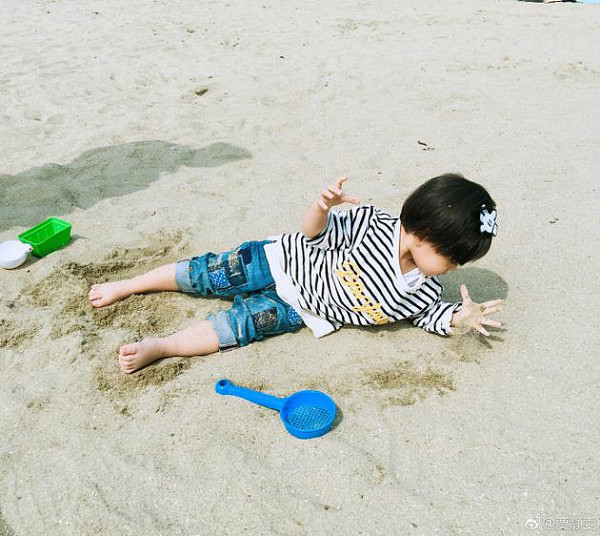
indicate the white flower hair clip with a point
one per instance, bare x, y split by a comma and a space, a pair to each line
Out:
488, 221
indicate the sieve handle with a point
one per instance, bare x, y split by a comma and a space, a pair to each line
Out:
225, 387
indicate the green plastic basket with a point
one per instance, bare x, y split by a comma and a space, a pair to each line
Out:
47, 236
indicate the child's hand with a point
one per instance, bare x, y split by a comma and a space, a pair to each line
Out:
333, 195
474, 315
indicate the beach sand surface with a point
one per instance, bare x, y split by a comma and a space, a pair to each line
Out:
161, 130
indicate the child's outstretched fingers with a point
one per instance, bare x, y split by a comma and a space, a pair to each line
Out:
464, 294
482, 330
489, 307
474, 315
333, 195
341, 180
492, 323
351, 199
346, 198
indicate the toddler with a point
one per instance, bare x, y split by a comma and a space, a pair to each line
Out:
358, 267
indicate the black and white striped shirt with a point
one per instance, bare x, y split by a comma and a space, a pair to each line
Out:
350, 274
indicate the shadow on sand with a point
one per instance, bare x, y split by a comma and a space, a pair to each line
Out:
483, 285
54, 189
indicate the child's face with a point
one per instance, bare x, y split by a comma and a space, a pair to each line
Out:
429, 261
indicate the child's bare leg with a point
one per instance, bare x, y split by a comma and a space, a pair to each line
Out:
200, 339
162, 278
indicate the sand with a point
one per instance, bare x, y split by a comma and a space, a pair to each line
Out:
161, 130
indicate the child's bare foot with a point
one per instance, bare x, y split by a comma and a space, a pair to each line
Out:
137, 355
107, 293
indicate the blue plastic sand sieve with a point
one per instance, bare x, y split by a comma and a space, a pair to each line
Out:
305, 414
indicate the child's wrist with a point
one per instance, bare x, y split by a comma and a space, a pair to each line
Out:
321, 207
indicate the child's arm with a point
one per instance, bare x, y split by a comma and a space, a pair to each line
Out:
315, 217
474, 315
440, 317
436, 318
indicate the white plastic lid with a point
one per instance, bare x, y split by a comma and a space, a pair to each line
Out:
13, 253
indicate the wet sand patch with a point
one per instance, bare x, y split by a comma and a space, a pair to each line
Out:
13, 335
404, 383
63, 296
75, 278
401, 384
113, 382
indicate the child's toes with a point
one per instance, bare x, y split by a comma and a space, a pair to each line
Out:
126, 360
127, 350
128, 368
97, 301
96, 296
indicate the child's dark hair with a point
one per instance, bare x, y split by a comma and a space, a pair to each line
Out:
445, 211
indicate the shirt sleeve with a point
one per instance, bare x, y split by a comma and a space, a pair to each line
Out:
344, 230
436, 318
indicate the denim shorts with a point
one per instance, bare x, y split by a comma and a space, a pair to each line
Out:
244, 273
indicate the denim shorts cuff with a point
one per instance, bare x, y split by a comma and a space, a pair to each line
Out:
182, 276
220, 322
